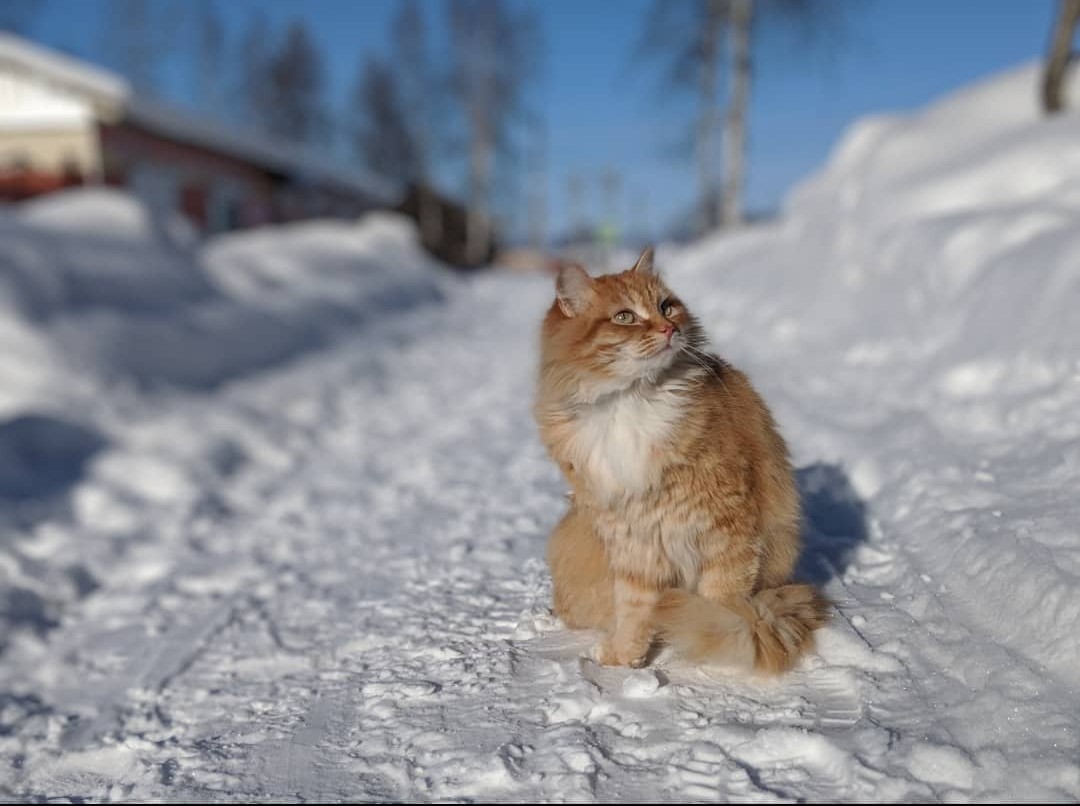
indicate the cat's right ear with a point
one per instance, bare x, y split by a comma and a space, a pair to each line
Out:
573, 289
645, 261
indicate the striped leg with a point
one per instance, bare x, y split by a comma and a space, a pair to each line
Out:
629, 643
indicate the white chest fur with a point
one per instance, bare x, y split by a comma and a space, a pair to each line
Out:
617, 444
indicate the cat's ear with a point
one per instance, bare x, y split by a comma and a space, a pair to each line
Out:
574, 289
645, 261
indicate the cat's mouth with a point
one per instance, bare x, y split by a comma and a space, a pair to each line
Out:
662, 356
672, 345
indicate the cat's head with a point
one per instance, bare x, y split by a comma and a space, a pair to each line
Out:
607, 333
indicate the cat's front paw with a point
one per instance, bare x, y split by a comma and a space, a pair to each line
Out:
608, 653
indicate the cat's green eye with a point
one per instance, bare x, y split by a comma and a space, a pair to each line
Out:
667, 307
624, 318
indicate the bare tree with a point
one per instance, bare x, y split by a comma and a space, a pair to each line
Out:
575, 205
710, 47
492, 59
295, 108
687, 36
610, 230
380, 135
17, 16
1059, 56
740, 19
134, 41
421, 104
808, 20
252, 100
210, 46
537, 184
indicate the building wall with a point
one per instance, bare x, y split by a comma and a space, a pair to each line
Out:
218, 192
72, 151
43, 128
215, 191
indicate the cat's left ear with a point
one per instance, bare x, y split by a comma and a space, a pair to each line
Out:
574, 290
645, 261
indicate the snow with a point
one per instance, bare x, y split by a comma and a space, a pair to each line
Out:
62, 70
114, 293
321, 578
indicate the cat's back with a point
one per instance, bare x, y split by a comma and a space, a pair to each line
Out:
723, 398
730, 427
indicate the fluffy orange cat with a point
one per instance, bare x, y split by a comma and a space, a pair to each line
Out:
684, 523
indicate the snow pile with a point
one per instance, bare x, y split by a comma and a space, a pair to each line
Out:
323, 270
982, 143
919, 300
90, 276
101, 301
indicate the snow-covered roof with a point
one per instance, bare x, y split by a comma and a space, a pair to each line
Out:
255, 147
113, 97
58, 68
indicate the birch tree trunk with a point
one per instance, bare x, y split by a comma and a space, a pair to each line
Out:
741, 21
708, 113
1057, 60
478, 229
419, 90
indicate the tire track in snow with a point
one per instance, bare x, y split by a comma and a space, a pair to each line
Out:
151, 667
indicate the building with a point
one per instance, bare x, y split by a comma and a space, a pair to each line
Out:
64, 122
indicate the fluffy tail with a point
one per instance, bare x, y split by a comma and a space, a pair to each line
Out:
768, 631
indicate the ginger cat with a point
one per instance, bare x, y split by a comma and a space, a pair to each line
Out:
684, 523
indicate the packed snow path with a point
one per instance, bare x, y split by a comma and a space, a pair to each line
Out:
326, 583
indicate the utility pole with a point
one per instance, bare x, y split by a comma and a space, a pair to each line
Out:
608, 232
538, 182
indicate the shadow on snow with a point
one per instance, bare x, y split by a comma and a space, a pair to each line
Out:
834, 522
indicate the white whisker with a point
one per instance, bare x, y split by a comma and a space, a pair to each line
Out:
705, 360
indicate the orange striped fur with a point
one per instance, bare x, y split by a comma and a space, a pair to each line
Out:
684, 524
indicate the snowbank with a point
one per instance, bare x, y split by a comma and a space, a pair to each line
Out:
982, 143
95, 282
99, 300
919, 301
346, 271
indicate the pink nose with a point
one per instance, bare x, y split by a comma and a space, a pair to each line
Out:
667, 329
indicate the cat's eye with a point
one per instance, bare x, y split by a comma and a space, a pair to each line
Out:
624, 318
667, 307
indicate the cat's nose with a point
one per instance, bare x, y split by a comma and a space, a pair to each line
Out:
667, 329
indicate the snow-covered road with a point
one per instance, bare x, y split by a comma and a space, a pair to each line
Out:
351, 605
325, 581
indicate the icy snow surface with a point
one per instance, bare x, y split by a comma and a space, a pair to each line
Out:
323, 581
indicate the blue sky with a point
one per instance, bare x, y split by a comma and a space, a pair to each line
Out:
605, 112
